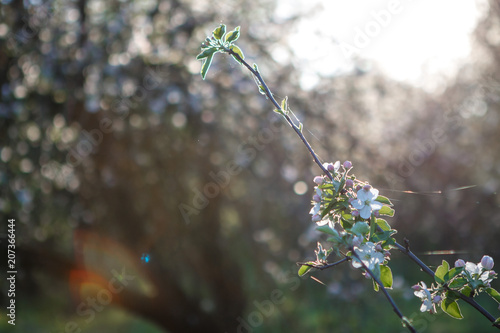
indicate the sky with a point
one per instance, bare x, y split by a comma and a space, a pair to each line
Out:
421, 42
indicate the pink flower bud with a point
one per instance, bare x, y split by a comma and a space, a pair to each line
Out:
316, 198
376, 213
416, 287
355, 213
349, 183
358, 188
378, 248
437, 299
319, 180
387, 254
367, 187
459, 263
316, 218
487, 262
356, 241
347, 165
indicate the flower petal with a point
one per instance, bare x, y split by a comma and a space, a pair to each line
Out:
365, 212
358, 204
375, 205
362, 195
373, 194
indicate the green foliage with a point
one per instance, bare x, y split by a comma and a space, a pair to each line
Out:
219, 32
238, 51
327, 230
232, 36
387, 211
206, 65
386, 276
441, 271
304, 269
220, 42
360, 229
384, 200
450, 307
493, 293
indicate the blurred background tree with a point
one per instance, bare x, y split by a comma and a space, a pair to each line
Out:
110, 140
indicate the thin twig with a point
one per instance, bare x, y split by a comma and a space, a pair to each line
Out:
389, 298
322, 267
283, 112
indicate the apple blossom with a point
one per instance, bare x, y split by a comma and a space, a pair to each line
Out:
332, 167
366, 202
425, 297
368, 255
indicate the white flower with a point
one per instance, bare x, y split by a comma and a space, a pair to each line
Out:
315, 209
425, 296
332, 167
477, 273
324, 222
368, 255
366, 202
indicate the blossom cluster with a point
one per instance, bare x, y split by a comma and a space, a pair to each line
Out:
466, 277
362, 201
349, 211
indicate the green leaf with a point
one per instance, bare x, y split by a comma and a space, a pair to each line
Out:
452, 295
327, 230
284, 103
441, 272
360, 228
304, 269
451, 308
383, 225
452, 273
381, 236
386, 276
238, 51
384, 200
386, 210
206, 66
493, 293
206, 53
467, 291
458, 283
219, 32
232, 35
